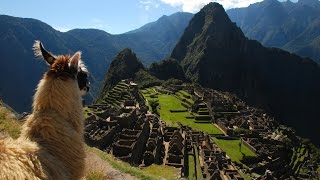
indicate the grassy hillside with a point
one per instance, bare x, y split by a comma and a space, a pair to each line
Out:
8, 122
152, 172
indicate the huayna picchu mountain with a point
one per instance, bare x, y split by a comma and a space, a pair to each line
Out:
214, 52
124, 66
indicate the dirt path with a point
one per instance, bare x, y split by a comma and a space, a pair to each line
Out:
217, 126
96, 164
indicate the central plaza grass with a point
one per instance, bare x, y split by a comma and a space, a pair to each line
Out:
169, 102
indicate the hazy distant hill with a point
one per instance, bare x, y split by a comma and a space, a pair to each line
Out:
287, 25
214, 52
154, 41
21, 71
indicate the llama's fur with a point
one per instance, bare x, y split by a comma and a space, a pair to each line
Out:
51, 142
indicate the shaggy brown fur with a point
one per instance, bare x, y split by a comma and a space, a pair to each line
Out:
51, 143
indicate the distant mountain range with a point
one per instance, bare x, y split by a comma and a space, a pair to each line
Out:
21, 71
290, 26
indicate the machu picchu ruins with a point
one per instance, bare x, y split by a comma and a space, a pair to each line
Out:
121, 124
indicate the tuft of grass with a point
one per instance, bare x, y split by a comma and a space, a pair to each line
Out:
161, 171
8, 123
95, 175
245, 176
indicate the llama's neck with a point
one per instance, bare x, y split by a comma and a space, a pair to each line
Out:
61, 97
56, 123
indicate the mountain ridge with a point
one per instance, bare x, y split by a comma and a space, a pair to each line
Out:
286, 25
98, 47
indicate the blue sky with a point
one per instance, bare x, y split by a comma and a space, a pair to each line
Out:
112, 16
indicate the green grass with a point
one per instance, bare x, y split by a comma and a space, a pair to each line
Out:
95, 175
122, 166
168, 102
161, 171
192, 174
245, 176
8, 123
149, 173
182, 95
198, 168
231, 147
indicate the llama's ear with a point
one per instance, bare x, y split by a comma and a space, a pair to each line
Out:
41, 52
74, 61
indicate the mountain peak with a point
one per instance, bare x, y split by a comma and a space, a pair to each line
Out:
126, 59
123, 66
210, 27
216, 11
125, 53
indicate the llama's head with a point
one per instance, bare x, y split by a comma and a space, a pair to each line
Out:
64, 66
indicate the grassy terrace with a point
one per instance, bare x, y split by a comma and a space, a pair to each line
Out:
198, 168
192, 174
170, 102
233, 150
152, 172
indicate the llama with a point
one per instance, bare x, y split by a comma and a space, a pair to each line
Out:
51, 144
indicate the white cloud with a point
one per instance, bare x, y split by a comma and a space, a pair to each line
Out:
62, 28
195, 5
148, 4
